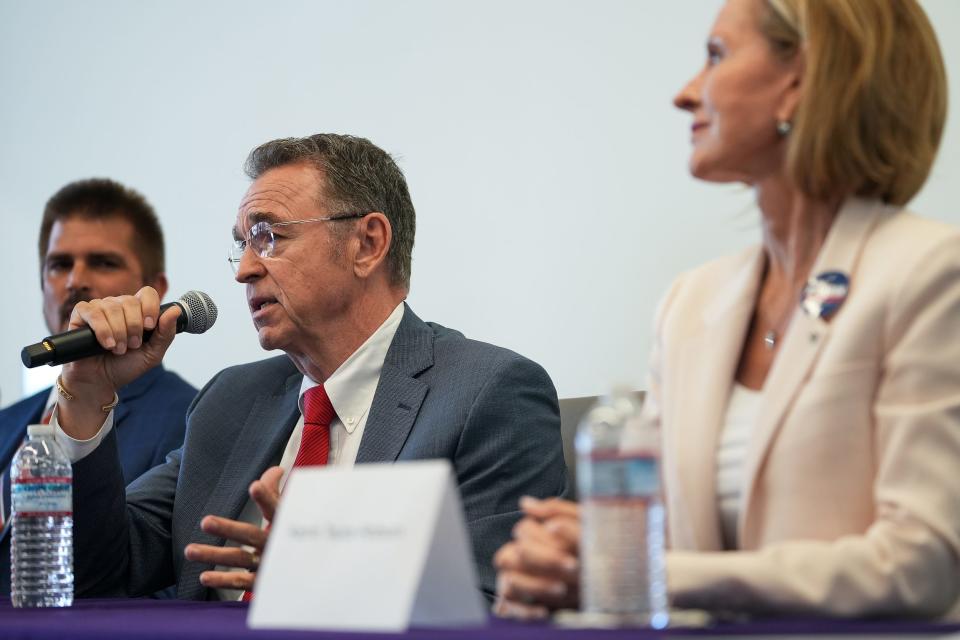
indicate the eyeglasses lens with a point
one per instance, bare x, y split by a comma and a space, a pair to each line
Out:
261, 239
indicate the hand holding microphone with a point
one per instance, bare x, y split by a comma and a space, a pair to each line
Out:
197, 314
111, 342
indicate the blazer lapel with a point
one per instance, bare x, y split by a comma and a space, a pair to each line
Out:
260, 441
802, 344
399, 394
707, 366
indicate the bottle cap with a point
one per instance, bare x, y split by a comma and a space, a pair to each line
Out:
40, 430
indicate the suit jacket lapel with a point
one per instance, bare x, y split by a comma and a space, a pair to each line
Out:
706, 368
260, 441
802, 344
399, 394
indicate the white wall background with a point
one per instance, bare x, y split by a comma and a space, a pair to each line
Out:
546, 163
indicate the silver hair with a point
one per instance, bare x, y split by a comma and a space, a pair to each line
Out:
358, 177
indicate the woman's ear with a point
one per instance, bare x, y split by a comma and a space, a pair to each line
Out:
793, 90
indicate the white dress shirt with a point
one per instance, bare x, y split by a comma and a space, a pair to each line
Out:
77, 450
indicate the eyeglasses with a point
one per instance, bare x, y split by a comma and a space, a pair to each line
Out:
263, 242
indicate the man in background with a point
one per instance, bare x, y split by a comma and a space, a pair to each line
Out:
100, 239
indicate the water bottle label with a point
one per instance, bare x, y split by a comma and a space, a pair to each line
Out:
625, 477
42, 497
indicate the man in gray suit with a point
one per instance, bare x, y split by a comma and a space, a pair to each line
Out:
322, 241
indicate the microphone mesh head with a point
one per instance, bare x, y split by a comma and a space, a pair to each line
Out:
201, 312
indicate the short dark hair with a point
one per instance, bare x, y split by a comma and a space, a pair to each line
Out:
101, 198
358, 177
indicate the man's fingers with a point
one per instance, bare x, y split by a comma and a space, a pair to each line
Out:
507, 557
164, 333
133, 317
266, 492
167, 327
242, 580
566, 531
119, 322
239, 532
90, 315
150, 304
112, 309
168, 321
272, 477
223, 556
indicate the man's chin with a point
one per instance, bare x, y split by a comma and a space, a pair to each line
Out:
269, 340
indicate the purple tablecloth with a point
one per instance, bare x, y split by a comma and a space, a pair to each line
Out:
168, 620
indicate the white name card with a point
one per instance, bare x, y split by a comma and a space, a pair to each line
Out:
377, 547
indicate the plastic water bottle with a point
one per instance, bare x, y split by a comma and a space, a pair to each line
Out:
41, 543
623, 578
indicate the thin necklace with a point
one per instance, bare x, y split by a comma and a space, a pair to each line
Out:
772, 335
776, 329
770, 339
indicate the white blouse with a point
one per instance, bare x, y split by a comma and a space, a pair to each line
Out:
742, 410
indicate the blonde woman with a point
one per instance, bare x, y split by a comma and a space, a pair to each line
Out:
816, 471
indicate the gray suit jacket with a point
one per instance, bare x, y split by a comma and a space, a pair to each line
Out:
489, 411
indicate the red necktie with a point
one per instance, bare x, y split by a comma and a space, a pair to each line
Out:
318, 413
314, 448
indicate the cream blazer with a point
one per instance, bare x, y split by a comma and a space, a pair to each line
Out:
851, 493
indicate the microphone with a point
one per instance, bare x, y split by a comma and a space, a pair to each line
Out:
197, 314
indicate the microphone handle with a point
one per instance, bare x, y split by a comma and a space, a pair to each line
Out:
79, 343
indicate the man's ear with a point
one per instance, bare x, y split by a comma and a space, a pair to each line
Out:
375, 235
160, 284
